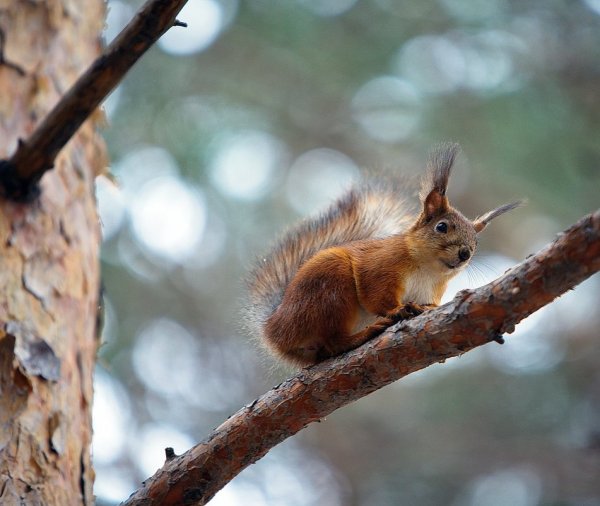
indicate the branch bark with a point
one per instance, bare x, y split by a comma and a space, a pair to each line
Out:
473, 318
21, 172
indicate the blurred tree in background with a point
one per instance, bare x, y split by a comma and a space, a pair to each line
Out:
263, 111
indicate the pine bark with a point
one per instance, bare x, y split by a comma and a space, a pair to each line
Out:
49, 267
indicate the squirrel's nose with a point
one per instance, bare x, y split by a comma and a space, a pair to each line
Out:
464, 254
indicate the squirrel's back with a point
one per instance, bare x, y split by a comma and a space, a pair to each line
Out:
372, 209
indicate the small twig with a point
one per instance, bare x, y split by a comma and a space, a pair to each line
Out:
169, 453
20, 174
180, 23
472, 319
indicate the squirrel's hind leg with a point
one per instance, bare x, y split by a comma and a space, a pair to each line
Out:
403, 312
342, 343
303, 357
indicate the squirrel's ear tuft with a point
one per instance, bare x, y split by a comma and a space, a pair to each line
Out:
481, 222
435, 180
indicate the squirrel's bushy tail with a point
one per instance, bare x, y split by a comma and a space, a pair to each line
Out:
372, 209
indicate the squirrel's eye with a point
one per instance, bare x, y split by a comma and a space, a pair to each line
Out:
441, 227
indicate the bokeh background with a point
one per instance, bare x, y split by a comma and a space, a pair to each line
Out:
261, 112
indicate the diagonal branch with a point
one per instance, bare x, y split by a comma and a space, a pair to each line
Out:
33, 157
473, 318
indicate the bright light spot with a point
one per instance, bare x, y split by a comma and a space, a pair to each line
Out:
168, 217
205, 21
593, 4
164, 356
517, 487
488, 67
111, 206
111, 418
291, 477
212, 246
117, 16
241, 493
136, 261
113, 484
285, 481
387, 108
581, 306
535, 230
151, 443
482, 62
474, 10
489, 56
244, 163
433, 63
317, 177
173, 363
436, 372
222, 388
142, 165
328, 8
531, 348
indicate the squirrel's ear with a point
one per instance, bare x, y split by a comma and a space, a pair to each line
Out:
481, 222
435, 204
435, 181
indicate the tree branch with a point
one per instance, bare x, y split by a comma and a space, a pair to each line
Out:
473, 318
20, 174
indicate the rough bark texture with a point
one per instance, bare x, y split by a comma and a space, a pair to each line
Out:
472, 319
49, 269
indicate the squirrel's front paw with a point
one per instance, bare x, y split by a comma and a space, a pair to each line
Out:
413, 309
407, 311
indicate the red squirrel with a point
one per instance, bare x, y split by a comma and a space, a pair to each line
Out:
365, 254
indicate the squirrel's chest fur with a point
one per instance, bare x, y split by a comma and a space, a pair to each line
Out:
423, 286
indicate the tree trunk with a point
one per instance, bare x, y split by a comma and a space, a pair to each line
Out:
49, 268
